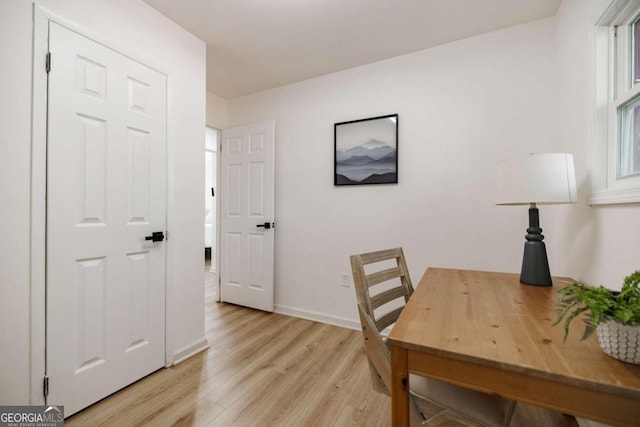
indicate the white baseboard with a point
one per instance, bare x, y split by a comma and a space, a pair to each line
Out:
318, 317
190, 350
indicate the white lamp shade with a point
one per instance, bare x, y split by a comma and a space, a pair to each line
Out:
545, 178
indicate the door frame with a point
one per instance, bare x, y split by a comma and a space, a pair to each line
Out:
215, 261
219, 194
38, 236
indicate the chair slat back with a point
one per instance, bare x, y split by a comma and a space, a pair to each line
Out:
384, 275
366, 285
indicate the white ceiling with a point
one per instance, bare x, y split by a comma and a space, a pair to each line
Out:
253, 45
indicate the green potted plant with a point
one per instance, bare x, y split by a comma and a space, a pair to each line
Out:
615, 316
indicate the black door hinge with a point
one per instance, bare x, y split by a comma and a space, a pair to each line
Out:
47, 64
45, 386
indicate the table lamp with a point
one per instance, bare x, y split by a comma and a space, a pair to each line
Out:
536, 179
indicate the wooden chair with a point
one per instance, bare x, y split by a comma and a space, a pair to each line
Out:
382, 294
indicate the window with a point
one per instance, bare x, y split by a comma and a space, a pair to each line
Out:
629, 139
616, 149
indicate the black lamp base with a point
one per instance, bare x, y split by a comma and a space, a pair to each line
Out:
535, 266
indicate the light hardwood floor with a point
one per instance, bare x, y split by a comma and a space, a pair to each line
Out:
266, 369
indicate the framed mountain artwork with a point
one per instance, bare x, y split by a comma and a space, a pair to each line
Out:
366, 151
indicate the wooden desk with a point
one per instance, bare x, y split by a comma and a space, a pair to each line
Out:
486, 331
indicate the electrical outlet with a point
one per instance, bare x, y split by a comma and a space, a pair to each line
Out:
345, 281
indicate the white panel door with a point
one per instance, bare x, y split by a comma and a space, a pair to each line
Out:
106, 191
247, 215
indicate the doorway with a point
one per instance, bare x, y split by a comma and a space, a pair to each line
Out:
212, 136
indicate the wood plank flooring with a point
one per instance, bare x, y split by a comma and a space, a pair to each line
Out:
266, 369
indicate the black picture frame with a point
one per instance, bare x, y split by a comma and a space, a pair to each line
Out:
366, 151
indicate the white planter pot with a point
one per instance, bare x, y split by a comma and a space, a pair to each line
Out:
620, 341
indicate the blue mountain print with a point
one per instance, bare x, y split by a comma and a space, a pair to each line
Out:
369, 163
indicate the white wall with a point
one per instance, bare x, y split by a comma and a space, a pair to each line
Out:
610, 242
15, 106
462, 107
143, 31
217, 111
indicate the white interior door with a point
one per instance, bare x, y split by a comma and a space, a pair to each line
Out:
247, 215
106, 191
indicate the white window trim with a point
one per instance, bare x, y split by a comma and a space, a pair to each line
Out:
606, 187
